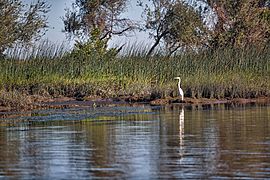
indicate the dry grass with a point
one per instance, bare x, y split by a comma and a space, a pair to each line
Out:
14, 99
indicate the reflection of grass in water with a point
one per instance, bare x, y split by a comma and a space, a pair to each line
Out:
122, 114
225, 73
123, 117
24, 124
100, 118
75, 115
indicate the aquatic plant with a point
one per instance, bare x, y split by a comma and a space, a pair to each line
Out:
223, 73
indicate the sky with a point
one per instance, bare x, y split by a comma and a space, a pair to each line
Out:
133, 12
56, 25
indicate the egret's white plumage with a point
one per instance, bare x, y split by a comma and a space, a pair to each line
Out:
179, 88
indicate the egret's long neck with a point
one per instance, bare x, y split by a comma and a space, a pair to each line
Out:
179, 82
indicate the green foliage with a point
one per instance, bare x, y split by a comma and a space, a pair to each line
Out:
88, 15
223, 73
94, 47
175, 23
185, 26
21, 23
240, 23
179, 25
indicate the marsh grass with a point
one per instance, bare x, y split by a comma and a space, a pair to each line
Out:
224, 73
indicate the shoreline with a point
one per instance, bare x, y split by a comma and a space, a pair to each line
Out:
41, 102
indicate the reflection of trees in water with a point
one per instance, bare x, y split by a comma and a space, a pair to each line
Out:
122, 143
7, 155
244, 135
229, 136
16, 146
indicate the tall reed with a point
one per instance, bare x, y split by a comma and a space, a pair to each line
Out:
224, 73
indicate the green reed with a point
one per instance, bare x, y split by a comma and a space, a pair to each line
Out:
224, 73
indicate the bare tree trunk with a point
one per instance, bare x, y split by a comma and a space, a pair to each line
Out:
156, 43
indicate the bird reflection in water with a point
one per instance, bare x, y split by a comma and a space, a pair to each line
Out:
181, 132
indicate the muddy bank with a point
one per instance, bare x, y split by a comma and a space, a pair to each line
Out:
40, 102
96, 101
261, 100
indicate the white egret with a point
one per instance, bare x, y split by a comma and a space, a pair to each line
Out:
179, 88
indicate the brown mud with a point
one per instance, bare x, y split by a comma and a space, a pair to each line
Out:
40, 102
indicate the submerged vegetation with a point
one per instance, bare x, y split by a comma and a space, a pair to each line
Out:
223, 73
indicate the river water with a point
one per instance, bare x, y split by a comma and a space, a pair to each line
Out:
137, 142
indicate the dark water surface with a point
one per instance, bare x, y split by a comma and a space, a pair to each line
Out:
143, 142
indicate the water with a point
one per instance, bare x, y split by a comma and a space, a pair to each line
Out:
142, 142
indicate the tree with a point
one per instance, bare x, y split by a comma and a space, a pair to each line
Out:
21, 23
182, 23
94, 47
92, 15
240, 23
174, 23
186, 28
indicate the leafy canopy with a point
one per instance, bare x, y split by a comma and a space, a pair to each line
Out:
21, 23
240, 23
86, 16
174, 23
